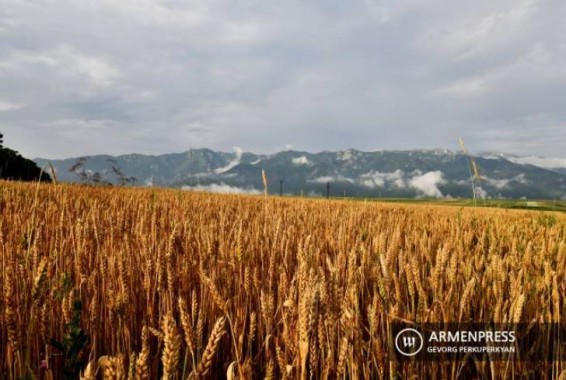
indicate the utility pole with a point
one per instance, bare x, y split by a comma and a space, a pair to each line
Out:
280, 187
327, 190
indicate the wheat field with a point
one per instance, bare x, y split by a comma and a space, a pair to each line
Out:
120, 283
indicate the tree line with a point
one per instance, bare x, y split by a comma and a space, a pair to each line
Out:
15, 167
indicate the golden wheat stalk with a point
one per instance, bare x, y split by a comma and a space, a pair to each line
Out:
211, 347
171, 350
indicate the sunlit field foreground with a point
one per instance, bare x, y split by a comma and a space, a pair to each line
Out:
148, 284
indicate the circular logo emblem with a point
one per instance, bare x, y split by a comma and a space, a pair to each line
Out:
409, 342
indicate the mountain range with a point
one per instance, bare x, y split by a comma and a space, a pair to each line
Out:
411, 173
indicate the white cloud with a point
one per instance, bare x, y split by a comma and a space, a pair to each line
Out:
498, 183
171, 74
428, 183
543, 162
465, 87
501, 183
303, 160
66, 61
346, 155
9, 106
539, 54
149, 182
235, 162
481, 193
334, 178
222, 188
378, 179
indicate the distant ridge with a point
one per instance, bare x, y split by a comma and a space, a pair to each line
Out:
404, 173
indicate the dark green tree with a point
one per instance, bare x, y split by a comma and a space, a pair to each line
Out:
15, 167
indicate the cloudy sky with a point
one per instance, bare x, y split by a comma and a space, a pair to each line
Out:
150, 76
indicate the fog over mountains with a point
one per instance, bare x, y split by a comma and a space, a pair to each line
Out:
415, 173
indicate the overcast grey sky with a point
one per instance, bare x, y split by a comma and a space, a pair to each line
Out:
149, 76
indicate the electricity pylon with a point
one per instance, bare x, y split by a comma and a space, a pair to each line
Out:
475, 177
